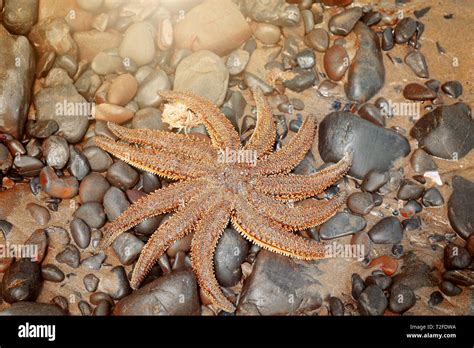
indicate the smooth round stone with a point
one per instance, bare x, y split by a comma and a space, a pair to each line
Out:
410, 190
317, 39
33, 149
127, 247
460, 277
387, 231
69, 256
336, 306
342, 224
27, 165
93, 188
361, 203
303, 80
415, 91
372, 17
254, 81
417, 63
422, 162
115, 283
402, 298
308, 20
357, 285
305, 59
449, 288
205, 74
64, 187
380, 279
78, 164
122, 90
85, 308
237, 61
404, 30
336, 62
452, 88
148, 92
149, 118
106, 63
395, 178
98, 159
344, 22
52, 273
91, 282
435, 299
433, 84
456, 257
80, 232
22, 281
432, 198
19, 16
115, 203
92, 214
267, 33
372, 114
94, 261
231, 251
113, 113
42, 129
38, 213
138, 43
68, 63
98, 297
388, 40
56, 152
102, 309
372, 301
121, 175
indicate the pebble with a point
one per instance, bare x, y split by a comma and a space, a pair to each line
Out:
123, 176
375, 148
52, 273
237, 61
445, 131
435, 299
402, 298
395, 178
452, 88
85, 308
456, 257
367, 72
78, 164
304, 79
410, 190
342, 224
433, 84
387, 39
432, 198
92, 214
22, 281
253, 81
107, 62
460, 277
98, 297
362, 240
98, 159
127, 247
64, 187
357, 285
32, 309
91, 282
231, 251
57, 235
42, 129
94, 261
371, 18
449, 288
149, 118
268, 34
80, 232
19, 16
115, 203
380, 279
197, 30
172, 294
69, 256
56, 152
122, 90
461, 206
57, 77
387, 231
344, 22
372, 301
205, 74
277, 12
417, 63
372, 114
336, 306
308, 20
138, 43
422, 162
147, 94
360, 203
318, 39
415, 91
306, 58
336, 62
93, 188
6, 159
387, 264
113, 113
38, 213
404, 30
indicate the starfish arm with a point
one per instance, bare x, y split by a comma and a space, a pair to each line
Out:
176, 227
297, 187
292, 153
262, 231
153, 161
203, 246
159, 202
301, 216
190, 145
263, 138
221, 130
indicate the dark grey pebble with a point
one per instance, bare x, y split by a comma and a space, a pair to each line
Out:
42, 129
121, 175
344, 22
395, 178
56, 152
39, 213
372, 301
78, 164
102, 309
358, 285
372, 114
387, 231
372, 18
95, 261
336, 306
85, 308
128, 248
93, 188
433, 84
435, 299
305, 58
22, 281
410, 190
449, 288
253, 81
115, 203
464, 277
374, 180
432, 198
231, 251
387, 39
91, 282
417, 63
98, 159
402, 298
422, 162
295, 125
452, 88
404, 30
52, 273
456, 257
115, 283
461, 206
27, 165
80, 232
381, 280
342, 224
304, 79
92, 214
151, 182
69, 256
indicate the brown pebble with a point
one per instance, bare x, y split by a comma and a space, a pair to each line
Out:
386, 263
39, 213
122, 90
336, 62
113, 113
415, 91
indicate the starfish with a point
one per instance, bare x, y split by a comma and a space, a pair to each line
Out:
264, 201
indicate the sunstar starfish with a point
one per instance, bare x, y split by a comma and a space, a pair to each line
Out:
208, 192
